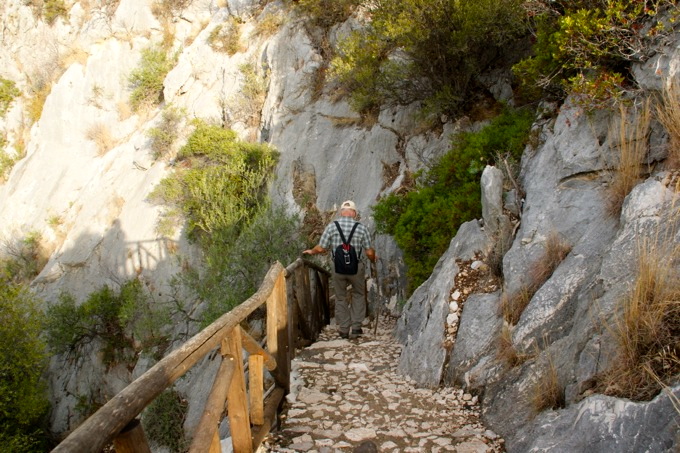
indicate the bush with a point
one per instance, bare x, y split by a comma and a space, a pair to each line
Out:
165, 135
23, 259
146, 82
226, 37
125, 322
163, 420
53, 9
219, 184
587, 47
8, 92
236, 267
325, 13
424, 220
23, 359
418, 50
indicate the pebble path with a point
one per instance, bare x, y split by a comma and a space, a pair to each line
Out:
346, 396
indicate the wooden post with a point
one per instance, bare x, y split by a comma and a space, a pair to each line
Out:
237, 401
214, 408
277, 330
132, 439
256, 388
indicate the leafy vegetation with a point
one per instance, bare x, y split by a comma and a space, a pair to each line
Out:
165, 134
23, 358
50, 10
417, 50
163, 420
218, 184
424, 220
8, 92
125, 322
146, 81
23, 259
587, 46
226, 37
325, 13
235, 269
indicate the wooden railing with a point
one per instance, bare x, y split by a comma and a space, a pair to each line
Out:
297, 303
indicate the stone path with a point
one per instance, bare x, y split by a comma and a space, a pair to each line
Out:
345, 393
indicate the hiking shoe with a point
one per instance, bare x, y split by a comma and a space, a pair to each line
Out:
344, 335
356, 332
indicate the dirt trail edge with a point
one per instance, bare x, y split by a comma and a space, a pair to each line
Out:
347, 392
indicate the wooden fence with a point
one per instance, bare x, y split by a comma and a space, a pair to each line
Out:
297, 304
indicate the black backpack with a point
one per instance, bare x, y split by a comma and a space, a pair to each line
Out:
345, 256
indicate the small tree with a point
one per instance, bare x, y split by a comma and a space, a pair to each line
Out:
23, 358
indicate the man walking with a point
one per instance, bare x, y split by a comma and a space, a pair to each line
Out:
348, 317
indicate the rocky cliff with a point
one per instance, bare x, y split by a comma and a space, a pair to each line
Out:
88, 198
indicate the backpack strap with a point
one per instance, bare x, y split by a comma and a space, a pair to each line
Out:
342, 236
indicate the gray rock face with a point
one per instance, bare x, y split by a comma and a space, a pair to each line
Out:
421, 326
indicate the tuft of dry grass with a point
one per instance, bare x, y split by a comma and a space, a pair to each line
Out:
548, 393
647, 328
506, 351
555, 251
633, 147
668, 113
101, 135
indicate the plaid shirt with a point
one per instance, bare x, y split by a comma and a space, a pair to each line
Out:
330, 238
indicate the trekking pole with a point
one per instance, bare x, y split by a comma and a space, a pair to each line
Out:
378, 301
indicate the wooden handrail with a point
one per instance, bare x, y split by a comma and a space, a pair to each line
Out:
283, 303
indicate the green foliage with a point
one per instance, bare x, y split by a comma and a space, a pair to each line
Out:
165, 135
219, 184
235, 268
53, 9
146, 82
325, 13
424, 220
163, 420
587, 47
23, 259
8, 91
6, 160
415, 50
124, 322
23, 358
226, 37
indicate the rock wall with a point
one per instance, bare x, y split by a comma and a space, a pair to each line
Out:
563, 327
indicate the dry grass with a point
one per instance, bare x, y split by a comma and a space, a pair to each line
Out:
555, 251
101, 135
668, 112
647, 328
548, 392
633, 147
506, 351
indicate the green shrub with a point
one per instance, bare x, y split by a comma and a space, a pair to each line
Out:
424, 220
53, 9
219, 184
23, 259
125, 322
226, 37
8, 92
165, 135
146, 82
587, 47
23, 359
236, 266
163, 420
6, 160
325, 13
418, 50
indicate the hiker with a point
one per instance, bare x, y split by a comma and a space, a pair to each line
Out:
356, 234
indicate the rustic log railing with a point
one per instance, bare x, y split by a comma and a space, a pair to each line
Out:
297, 303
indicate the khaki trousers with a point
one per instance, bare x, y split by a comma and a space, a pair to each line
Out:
349, 314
